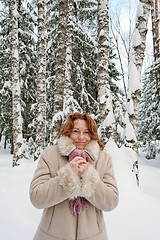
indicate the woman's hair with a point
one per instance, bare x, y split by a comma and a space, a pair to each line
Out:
67, 128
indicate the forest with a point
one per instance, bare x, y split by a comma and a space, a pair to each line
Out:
62, 56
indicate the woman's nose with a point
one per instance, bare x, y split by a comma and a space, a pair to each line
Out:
81, 135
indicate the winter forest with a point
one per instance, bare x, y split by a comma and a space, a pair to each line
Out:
100, 57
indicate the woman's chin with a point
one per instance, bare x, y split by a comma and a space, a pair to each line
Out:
80, 147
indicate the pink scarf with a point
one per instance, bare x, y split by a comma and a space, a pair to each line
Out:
76, 205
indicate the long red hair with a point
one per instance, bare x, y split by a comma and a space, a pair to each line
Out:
67, 128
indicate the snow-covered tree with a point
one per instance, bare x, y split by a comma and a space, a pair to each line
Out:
84, 71
71, 63
41, 80
16, 91
118, 99
60, 70
51, 46
135, 68
122, 34
149, 127
70, 104
104, 91
27, 65
5, 81
85, 13
68, 62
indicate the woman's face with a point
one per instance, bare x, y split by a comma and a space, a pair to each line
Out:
80, 134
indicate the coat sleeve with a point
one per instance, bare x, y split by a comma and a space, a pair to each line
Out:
101, 192
46, 190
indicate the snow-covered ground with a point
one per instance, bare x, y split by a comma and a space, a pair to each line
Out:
138, 213
136, 217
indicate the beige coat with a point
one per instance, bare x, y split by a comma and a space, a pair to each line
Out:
55, 182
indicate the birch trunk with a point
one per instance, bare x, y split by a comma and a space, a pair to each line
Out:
155, 8
16, 91
60, 70
135, 69
68, 63
41, 80
104, 91
70, 105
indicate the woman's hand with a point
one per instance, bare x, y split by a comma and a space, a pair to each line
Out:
79, 164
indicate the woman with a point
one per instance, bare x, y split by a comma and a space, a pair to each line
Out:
74, 182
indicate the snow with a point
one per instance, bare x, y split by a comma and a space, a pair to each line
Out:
18, 218
7, 84
135, 218
15, 12
103, 5
106, 43
129, 131
109, 120
137, 215
57, 116
130, 107
102, 33
134, 77
137, 41
120, 130
102, 99
140, 9
16, 53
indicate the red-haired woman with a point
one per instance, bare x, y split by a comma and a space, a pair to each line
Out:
74, 182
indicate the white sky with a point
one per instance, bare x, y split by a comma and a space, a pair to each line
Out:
126, 10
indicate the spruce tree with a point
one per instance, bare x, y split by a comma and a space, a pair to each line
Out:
149, 130
27, 67
5, 72
118, 99
84, 71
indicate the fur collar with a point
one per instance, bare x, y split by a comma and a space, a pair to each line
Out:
66, 146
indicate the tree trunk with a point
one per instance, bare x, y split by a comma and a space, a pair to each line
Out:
135, 69
16, 91
60, 70
5, 141
41, 80
68, 63
156, 40
69, 103
104, 91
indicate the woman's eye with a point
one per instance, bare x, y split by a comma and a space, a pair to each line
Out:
86, 132
75, 131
